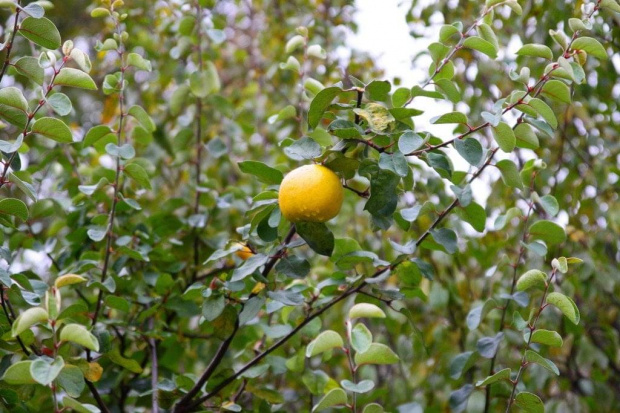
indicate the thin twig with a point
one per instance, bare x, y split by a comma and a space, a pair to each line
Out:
198, 141
117, 182
532, 328
9, 46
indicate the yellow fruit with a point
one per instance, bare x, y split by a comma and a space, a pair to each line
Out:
244, 253
311, 193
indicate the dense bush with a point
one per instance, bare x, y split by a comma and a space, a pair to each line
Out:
145, 263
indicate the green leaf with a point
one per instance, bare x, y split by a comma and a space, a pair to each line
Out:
536, 50
365, 310
25, 187
532, 279
400, 97
13, 106
141, 116
304, 148
475, 215
500, 375
287, 112
463, 362
550, 205
452, 117
409, 142
78, 334
29, 67
96, 133
533, 357
35, 10
249, 267
481, 45
376, 354
545, 111
40, 31
561, 264
505, 137
14, 207
395, 162
71, 379
13, 97
44, 371
566, 305
529, 402
470, 150
547, 337
526, 137
361, 338
325, 341
363, 386
320, 103
213, 306
379, 90
578, 24
294, 43
60, 103
611, 5
590, 46
548, 231
81, 59
130, 364
317, 236
383, 199
27, 319
335, 397
487, 346
486, 32
510, 173
53, 129
557, 90
139, 62
19, 373
74, 78
458, 398
78, 407
447, 31
373, 408
293, 266
446, 238
378, 117
264, 173
477, 314
138, 174
203, 83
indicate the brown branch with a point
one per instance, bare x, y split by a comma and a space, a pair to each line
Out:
532, 328
198, 141
8, 317
117, 183
9, 46
363, 194
455, 203
186, 402
456, 47
515, 266
97, 397
25, 132
351, 290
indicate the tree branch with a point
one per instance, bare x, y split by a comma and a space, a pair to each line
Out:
117, 183
9, 46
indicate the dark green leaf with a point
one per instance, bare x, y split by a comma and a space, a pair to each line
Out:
317, 236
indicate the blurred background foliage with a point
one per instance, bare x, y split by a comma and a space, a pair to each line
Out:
245, 40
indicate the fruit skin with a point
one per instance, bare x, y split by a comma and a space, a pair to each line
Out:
310, 193
244, 253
